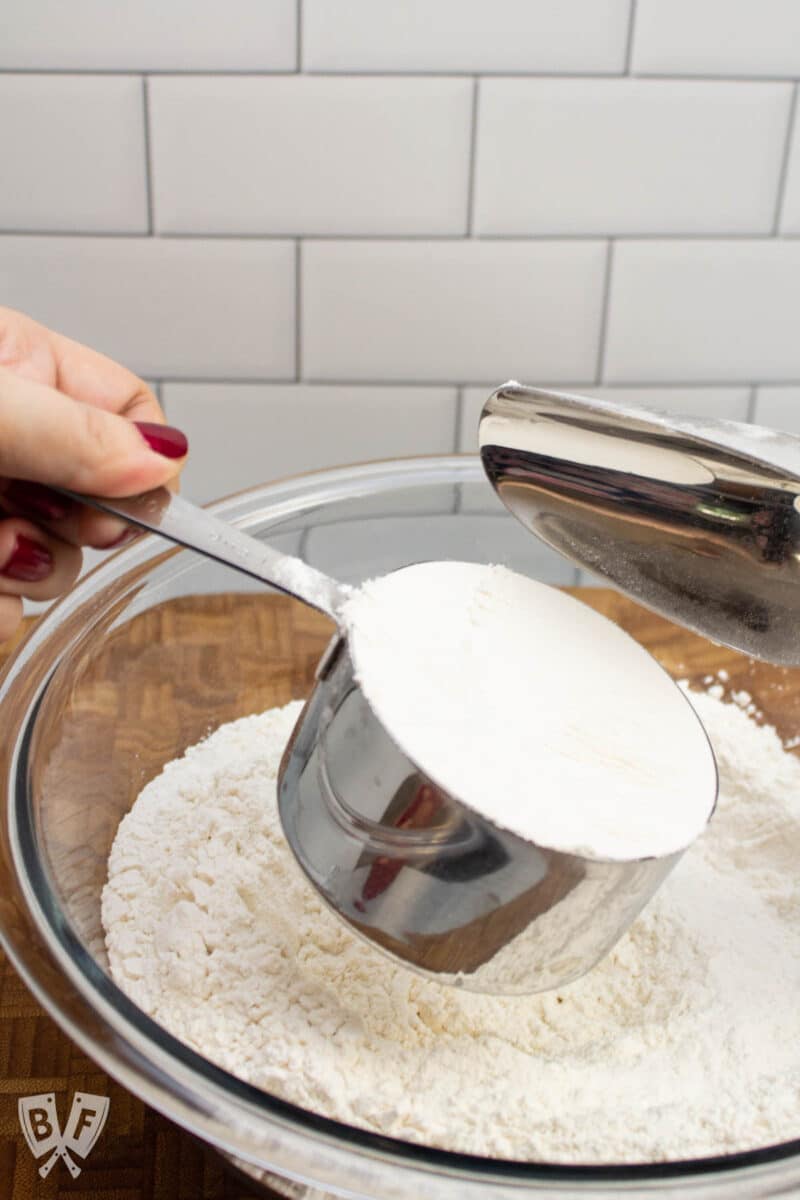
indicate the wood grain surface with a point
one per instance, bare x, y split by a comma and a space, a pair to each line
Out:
199, 661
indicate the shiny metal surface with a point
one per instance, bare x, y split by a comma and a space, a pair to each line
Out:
427, 879
50, 901
169, 515
422, 877
697, 519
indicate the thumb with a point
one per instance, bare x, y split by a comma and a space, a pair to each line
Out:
46, 437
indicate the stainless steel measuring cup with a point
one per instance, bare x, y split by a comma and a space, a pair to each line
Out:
432, 882
428, 880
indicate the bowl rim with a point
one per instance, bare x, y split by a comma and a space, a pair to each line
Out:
175, 1079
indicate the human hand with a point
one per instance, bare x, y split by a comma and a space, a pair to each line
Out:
70, 417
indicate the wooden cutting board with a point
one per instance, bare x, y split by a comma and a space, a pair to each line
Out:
140, 1155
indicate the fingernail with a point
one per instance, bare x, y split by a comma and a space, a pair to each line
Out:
29, 561
37, 499
126, 536
164, 439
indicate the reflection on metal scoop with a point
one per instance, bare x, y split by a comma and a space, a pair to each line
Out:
697, 519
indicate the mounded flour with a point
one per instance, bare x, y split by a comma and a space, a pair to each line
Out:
533, 709
684, 1041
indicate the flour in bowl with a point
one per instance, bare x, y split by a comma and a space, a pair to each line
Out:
684, 1041
533, 709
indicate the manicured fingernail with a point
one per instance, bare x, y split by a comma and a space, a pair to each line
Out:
37, 499
164, 439
29, 561
126, 536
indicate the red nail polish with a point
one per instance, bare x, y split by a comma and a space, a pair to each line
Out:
37, 499
29, 561
164, 439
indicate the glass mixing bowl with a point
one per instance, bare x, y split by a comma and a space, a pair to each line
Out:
146, 655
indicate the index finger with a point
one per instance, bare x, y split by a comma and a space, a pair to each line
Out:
92, 378
34, 352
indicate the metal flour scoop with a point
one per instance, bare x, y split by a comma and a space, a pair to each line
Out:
432, 882
697, 519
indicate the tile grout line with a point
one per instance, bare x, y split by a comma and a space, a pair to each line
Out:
472, 157
437, 238
601, 343
299, 36
466, 73
458, 422
785, 161
298, 310
148, 157
458, 491
458, 494
629, 41
751, 403
699, 385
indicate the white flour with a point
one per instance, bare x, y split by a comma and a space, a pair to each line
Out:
533, 709
685, 1041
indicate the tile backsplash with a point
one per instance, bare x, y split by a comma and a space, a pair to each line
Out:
327, 228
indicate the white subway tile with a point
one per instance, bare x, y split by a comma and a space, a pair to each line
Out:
73, 155
307, 154
717, 37
790, 209
704, 311
779, 408
465, 35
181, 35
725, 403
448, 311
628, 156
163, 307
729, 403
357, 550
245, 434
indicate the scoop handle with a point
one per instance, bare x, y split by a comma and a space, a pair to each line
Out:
170, 516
